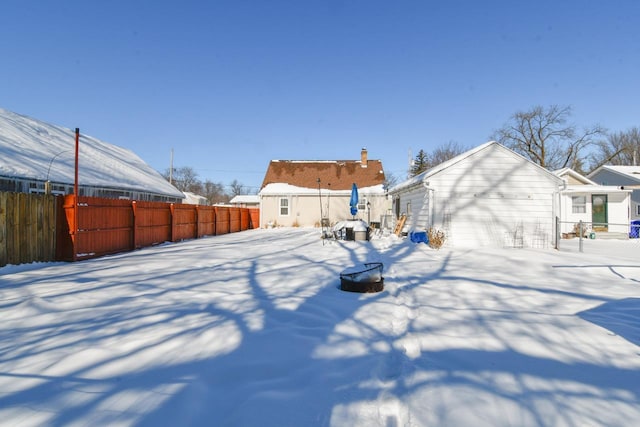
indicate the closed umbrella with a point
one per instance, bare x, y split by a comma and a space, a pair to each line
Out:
353, 202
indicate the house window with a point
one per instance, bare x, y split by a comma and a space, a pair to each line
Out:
579, 204
284, 207
638, 209
362, 204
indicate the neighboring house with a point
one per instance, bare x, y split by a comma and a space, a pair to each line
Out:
487, 196
312, 193
627, 177
194, 199
246, 201
602, 208
36, 157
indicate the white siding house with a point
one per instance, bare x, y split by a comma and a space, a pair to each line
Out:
603, 208
310, 193
487, 196
627, 177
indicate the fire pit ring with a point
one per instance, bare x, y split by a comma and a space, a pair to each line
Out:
363, 278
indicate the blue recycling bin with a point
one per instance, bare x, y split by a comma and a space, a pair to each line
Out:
634, 232
419, 237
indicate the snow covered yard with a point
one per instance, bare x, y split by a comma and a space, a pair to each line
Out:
251, 329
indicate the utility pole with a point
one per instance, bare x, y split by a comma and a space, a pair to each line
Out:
171, 168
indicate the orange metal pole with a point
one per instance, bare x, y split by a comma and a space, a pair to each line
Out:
75, 200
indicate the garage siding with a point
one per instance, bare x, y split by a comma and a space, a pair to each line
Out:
492, 197
415, 204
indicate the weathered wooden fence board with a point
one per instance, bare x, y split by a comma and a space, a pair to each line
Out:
27, 228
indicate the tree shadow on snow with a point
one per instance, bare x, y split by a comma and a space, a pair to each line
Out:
621, 317
303, 354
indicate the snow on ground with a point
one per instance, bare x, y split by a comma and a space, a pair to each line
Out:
251, 329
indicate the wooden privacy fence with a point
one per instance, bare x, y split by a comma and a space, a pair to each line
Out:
43, 227
107, 226
27, 228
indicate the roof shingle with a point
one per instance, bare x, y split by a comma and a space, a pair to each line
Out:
334, 175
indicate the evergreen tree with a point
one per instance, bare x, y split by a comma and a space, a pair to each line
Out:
420, 163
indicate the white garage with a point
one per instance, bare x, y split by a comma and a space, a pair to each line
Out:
487, 196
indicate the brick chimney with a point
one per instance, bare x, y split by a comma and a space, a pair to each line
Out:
363, 158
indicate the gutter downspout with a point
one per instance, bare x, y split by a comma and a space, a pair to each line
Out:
557, 223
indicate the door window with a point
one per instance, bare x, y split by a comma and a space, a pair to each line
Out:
599, 214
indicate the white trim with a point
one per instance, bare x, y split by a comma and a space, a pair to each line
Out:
280, 206
579, 208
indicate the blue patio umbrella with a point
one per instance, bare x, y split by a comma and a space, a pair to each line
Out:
353, 202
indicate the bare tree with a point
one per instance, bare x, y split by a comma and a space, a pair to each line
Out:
214, 192
185, 179
620, 148
442, 153
445, 152
390, 180
236, 188
545, 137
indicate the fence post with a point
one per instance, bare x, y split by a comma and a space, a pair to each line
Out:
134, 234
581, 227
173, 222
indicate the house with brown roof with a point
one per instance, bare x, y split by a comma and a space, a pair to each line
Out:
308, 193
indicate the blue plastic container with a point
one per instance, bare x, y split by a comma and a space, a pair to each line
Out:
634, 233
419, 237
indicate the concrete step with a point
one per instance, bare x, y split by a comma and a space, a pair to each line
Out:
611, 235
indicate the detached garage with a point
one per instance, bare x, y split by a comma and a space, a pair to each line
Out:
487, 196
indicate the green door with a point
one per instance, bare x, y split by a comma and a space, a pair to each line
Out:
599, 215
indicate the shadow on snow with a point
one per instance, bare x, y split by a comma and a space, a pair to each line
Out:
271, 371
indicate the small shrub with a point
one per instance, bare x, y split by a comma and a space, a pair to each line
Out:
436, 238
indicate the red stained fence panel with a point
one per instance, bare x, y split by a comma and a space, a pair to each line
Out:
152, 223
254, 218
106, 226
206, 221
184, 222
222, 220
235, 223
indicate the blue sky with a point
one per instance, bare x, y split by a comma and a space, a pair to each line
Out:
231, 85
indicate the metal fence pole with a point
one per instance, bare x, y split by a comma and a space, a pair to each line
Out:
581, 233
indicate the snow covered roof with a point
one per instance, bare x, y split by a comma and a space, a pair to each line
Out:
33, 149
245, 198
194, 199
